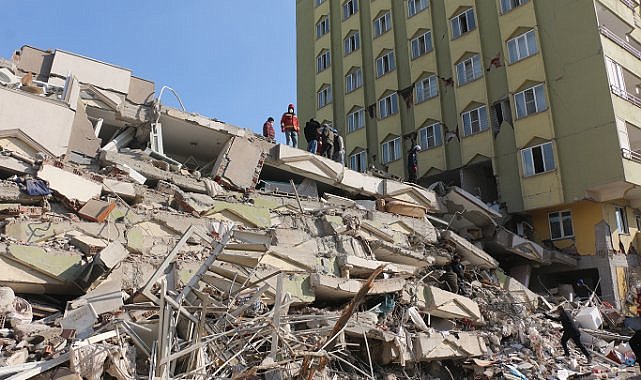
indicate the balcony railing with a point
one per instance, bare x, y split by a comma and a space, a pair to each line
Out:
631, 154
620, 41
622, 93
630, 3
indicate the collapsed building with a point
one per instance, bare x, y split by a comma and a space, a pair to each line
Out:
162, 243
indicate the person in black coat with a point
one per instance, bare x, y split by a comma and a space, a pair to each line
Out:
570, 331
635, 345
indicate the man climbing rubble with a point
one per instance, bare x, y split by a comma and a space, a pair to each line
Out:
570, 331
454, 276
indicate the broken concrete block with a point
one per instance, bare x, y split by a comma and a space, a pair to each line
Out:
65, 266
112, 255
87, 244
470, 207
70, 185
194, 202
444, 304
331, 288
448, 346
81, 319
360, 267
239, 164
392, 253
106, 297
472, 255
96, 210
22, 313
412, 194
397, 207
32, 231
124, 190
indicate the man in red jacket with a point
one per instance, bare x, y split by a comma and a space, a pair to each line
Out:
268, 129
289, 125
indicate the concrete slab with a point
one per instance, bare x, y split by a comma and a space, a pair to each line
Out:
87, 244
332, 288
448, 346
472, 255
389, 252
444, 304
194, 202
239, 164
125, 190
65, 266
362, 268
32, 231
69, 185
471, 207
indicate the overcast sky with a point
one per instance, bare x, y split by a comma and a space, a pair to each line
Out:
228, 59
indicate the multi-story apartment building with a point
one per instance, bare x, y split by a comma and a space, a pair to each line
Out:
531, 104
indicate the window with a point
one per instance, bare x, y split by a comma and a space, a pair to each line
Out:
356, 120
501, 112
421, 45
560, 225
382, 24
324, 96
358, 162
522, 46
385, 64
426, 88
469, 70
351, 43
388, 105
530, 101
508, 5
430, 136
463, 23
318, 2
350, 7
474, 121
353, 80
538, 159
322, 27
615, 76
415, 6
622, 220
322, 61
391, 150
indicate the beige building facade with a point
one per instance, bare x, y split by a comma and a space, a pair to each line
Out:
531, 105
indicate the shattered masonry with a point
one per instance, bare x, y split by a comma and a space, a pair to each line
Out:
218, 254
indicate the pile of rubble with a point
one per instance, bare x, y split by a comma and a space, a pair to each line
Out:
271, 263
179, 284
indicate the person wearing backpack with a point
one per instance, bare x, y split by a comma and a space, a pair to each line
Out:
311, 135
339, 148
328, 141
289, 126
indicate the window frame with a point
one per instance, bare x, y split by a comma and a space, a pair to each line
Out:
395, 143
544, 159
522, 102
427, 45
621, 218
524, 41
436, 135
354, 117
476, 70
353, 80
420, 95
324, 20
361, 159
562, 215
417, 9
325, 93
385, 20
318, 2
323, 61
350, 11
393, 106
481, 119
354, 40
387, 63
457, 19
504, 5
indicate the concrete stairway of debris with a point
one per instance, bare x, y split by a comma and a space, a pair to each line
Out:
268, 262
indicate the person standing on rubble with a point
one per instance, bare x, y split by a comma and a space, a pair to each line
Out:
289, 126
327, 138
570, 331
268, 129
312, 131
412, 163
339, 148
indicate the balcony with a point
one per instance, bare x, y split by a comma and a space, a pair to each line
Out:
630, 3
626, 95
620, 41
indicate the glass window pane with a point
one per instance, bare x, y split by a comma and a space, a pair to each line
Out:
531, 42
528, 165
567, 226
537, 158
438, 138
511, 47
555, 226
460, 73
548, 156
522, 47
540, 98
467, 124
519, 99
456, 28
476, 61
471, 23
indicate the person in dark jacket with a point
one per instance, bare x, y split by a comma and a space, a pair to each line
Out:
311, 131
289, 126
635, 345
268, 129
412, 163
570, 331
